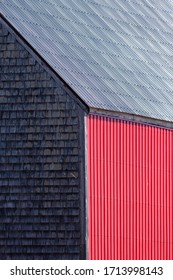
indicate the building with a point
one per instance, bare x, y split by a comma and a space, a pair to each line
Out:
86, 106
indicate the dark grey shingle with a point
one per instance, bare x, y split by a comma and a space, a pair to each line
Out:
39, 161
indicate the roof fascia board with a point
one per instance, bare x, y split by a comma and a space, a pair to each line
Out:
133, 118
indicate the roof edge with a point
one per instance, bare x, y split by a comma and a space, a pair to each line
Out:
132, 117
43, 62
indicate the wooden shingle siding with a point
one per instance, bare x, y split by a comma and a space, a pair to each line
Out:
39, 160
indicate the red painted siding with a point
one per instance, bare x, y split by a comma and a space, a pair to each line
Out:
130, 195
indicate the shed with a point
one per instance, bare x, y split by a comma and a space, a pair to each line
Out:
86, 129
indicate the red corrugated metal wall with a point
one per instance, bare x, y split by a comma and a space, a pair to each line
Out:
130, 194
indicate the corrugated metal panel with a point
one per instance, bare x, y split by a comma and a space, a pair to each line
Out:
130, 194
116, 55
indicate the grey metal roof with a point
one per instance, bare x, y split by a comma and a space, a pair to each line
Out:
115, 54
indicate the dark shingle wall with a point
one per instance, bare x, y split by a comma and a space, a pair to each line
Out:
39, 160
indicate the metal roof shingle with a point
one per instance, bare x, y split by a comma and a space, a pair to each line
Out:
116, 55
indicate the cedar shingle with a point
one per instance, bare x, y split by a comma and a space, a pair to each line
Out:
39, 160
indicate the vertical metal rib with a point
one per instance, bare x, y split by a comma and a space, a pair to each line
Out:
130, 190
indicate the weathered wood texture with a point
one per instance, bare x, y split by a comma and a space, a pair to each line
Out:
39, 160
